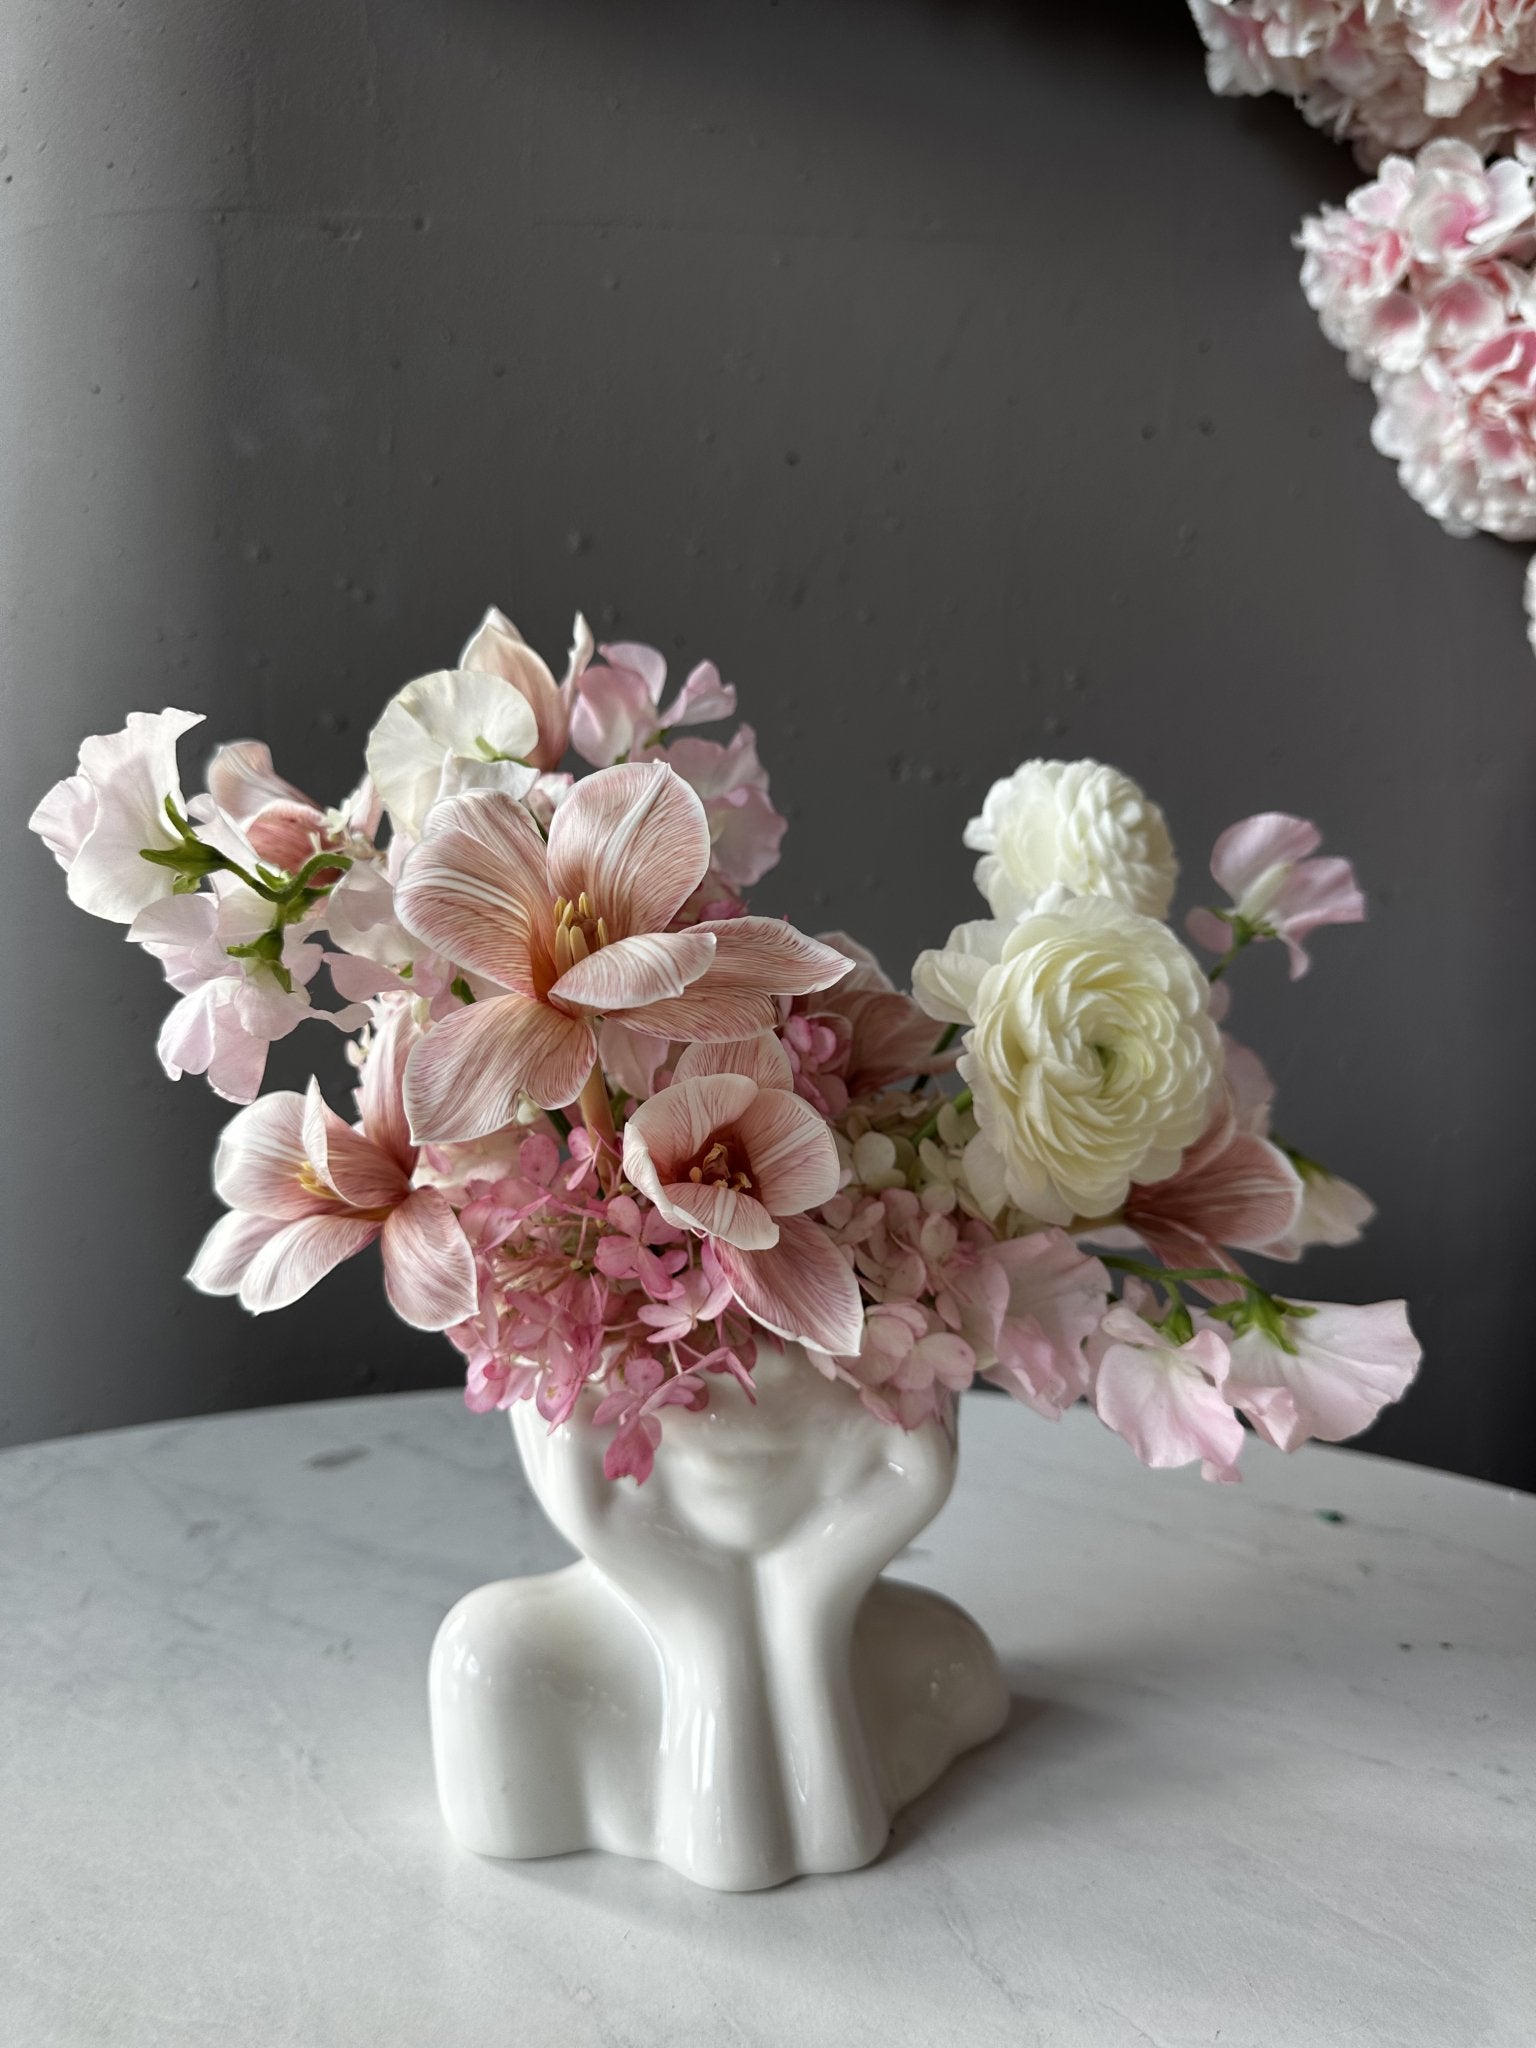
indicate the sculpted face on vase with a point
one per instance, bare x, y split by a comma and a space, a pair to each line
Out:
741, 1476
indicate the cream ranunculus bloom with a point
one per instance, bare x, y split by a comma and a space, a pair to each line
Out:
1092, 1058
1076, 823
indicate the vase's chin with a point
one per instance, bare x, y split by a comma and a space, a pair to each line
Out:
742, 1473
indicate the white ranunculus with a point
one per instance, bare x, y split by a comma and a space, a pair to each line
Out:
445, 733
945, 978
1076, 823
1092, 1057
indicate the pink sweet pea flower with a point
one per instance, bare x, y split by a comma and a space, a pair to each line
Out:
1343, 1366
745, 831
307, 1190
281, 825
1333, 1212
1277, 890
96, 822
497, 648
729, 1152
618, 707
1055, 1303
233, 1006
574, 931
1166, 1399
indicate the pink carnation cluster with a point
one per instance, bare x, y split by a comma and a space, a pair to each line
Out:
614, 1133
1424, 277
1385, 75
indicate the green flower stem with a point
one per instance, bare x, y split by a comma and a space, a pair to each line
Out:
959, 1103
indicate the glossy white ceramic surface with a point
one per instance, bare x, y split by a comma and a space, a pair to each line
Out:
724, 1683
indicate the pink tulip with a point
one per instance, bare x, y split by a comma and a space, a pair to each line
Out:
1344, 1365
574, 931
1277, 891
729, 1152
1231, 1190
307, 1190
1165, 1398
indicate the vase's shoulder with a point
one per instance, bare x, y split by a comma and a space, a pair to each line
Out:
929, 1682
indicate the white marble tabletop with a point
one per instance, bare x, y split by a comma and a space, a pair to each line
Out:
1269, 1780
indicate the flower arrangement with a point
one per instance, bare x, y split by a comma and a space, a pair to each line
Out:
1385, 75
615, 1132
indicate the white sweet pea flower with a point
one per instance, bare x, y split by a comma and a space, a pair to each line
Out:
1092, 1056
1076, 823
98, 821
456, 730
946, 978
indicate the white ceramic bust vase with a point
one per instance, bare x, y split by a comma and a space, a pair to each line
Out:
724, 1683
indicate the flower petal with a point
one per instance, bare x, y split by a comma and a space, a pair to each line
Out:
801, 1288
665, 1135
1248, 850
429, 1268
705, 1013
636, 840
243, 782
766, 955
462, 1080
225, 1254
762, 1059
381, 1096
791, 1152
346, 1159
476, 889
260, 1158
301, 1253
645, 968
724, 1214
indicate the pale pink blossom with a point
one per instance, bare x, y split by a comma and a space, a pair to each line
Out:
618, 710
1055, 1302
730, 781
1327, 1372
233, 1005
908, 1367
1332, 1211
306, 1190
1462, 430
498, 648
1386, 75
729, 1152
1232, 1191
574, 931
280, 824
1164, 1396
98, 821
860, 1036
1278, 890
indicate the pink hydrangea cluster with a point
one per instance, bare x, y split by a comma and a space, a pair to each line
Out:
614, 1133
1424, 278
1385, 75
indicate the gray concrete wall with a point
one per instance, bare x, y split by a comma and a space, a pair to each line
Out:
939, 370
